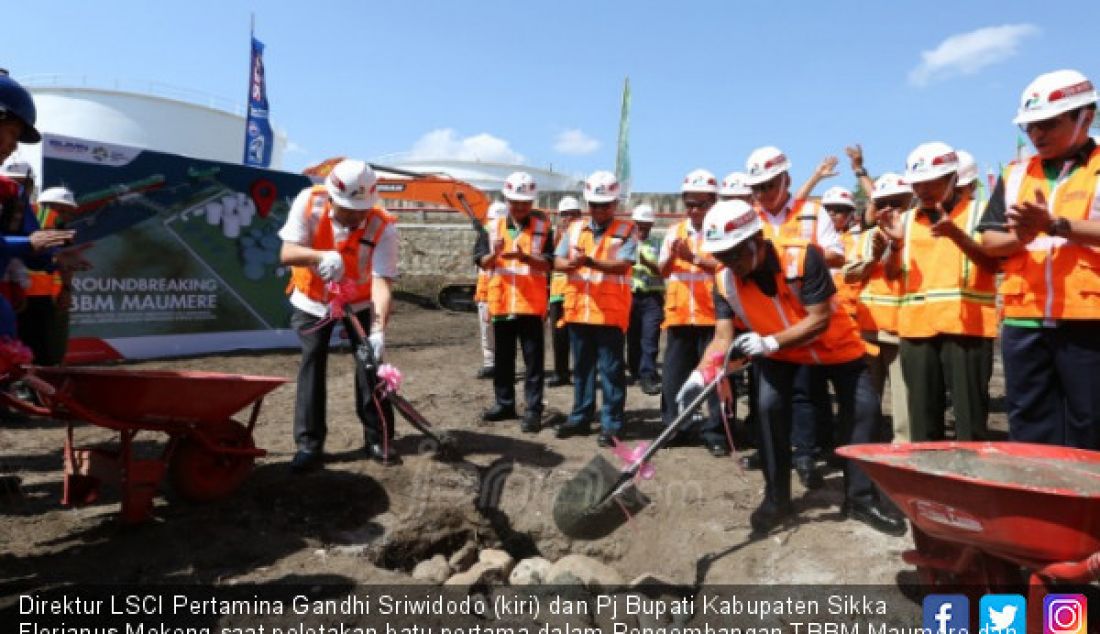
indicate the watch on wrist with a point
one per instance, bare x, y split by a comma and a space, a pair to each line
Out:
861, 172
1059, 227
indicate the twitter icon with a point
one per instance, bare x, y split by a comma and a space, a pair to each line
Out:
1003, 614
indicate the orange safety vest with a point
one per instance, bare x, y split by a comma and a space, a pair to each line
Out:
1054, 278
45, 284
847, 294
688, 298
840, 343
943, 292
595, 297
800, 224
357, 260
880, 298
514, 287
559, 279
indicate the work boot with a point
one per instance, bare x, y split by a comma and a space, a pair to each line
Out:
769, 515
808, 474
485, 372
556, 380
651, 385
532, 422
752, 462
875, 515
567, 430
499, 412
387, 456
718, 449
606, 439
305, 461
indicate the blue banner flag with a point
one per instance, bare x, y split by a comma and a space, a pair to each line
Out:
258, 138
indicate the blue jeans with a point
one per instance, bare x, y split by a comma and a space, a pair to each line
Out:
859, 414
598, 348
644, 336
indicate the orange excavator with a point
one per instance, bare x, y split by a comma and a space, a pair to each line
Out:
429, 193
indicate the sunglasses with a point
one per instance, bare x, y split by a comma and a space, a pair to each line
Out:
599, 205
696, 204
766, 186
1044, 125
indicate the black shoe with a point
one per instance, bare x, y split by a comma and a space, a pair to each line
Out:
752, 462
631, 380
532, 422
651, 385
605, 439
566, 430
485, 372
768, 516
876, 516
305, 461
499, 412
556, 380
388, 457
808, 475
718, 449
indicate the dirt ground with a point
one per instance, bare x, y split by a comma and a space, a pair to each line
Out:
359, 521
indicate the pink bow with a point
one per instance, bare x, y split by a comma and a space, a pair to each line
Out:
340, 294
389, 378
630, 456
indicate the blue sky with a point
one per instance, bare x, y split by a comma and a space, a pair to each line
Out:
541, 82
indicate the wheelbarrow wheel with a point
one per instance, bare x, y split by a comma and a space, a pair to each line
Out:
200, 475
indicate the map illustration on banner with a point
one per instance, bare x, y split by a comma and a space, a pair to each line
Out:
186, 254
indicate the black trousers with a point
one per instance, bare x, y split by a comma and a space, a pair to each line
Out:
559, 338
310, 404
527, 330
45, 329
684, 347
643, 338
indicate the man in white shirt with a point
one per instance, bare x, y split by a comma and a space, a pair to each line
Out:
341, 249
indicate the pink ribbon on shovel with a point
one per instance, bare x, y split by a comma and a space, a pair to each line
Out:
339, 295
631, 455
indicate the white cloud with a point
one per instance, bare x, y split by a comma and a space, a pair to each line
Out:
445, 144
575, 142
968, 53
294, 148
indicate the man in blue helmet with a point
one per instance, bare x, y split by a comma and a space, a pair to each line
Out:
20, 236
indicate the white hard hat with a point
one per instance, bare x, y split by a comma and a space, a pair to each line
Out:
968, 168
17, 169
734, 185
601, 187
643, 213
57, 196
728, 224
497, 210
838, 196
352, 184
519, 186
1051, 94
765, 164
569, 203
700, 181
890, 184
930, 161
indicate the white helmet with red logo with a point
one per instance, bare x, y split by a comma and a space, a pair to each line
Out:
643, 213
890, 184
930, 161
519, 186
728, 224
1051, 94
568, 203
700, 181
601, 187
968, 168
765, 164
838, 196
734, 185
352, 184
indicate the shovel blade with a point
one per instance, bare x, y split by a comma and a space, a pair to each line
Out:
578, 510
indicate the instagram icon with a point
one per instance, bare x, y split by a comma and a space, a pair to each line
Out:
1065, 614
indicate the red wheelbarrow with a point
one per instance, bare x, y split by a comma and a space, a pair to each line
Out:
208, 454
993, 515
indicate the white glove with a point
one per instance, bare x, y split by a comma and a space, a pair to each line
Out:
690, 390
752, 344
331, 266
377, 341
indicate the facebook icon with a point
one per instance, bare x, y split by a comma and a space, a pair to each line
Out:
947, 614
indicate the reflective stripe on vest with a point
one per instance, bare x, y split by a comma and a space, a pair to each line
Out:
941, 293
514, 287
357, 260
689, 299
840, 343
800, 223
880, 298
591, 296
42, 283
1054, 278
